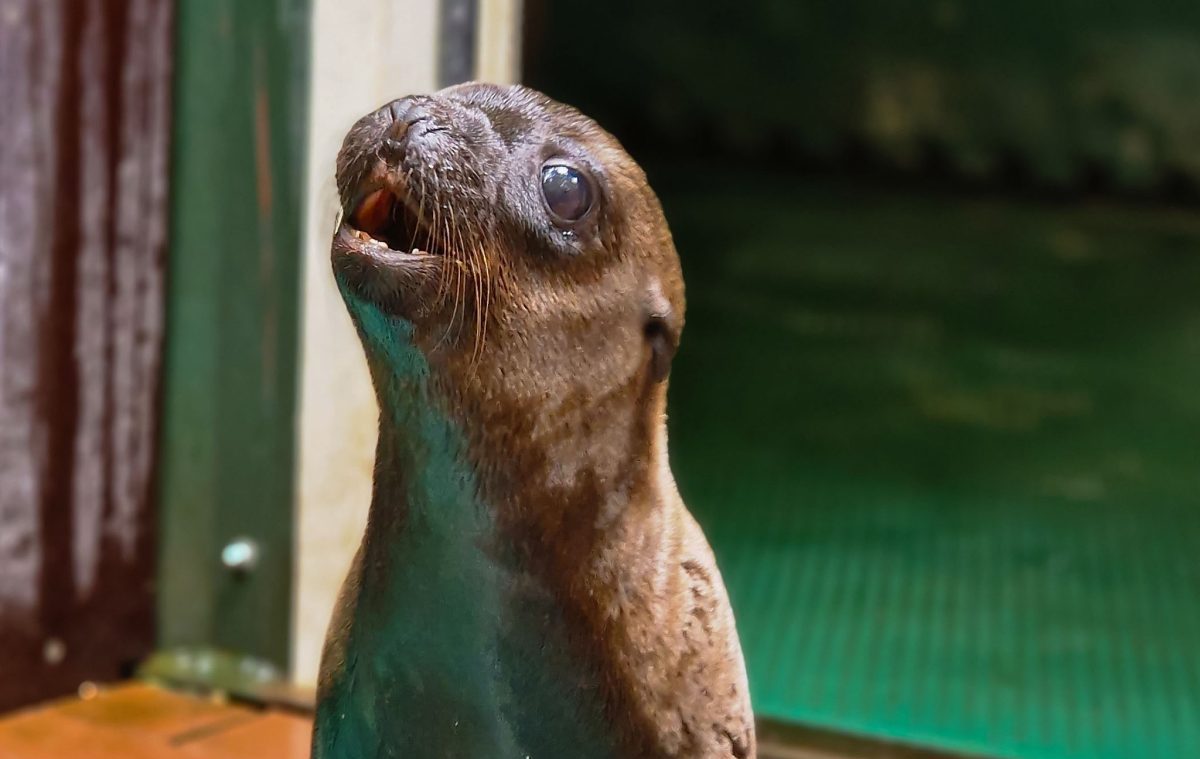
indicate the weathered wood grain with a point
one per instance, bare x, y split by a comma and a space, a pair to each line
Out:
84, 108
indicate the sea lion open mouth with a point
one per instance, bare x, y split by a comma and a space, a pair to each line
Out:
381, 218
383, 182
386, 248
383, 252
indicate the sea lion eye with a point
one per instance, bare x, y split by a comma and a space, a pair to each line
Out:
567, 191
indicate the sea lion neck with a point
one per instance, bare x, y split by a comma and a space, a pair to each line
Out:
423, 479
446, 617
457, 451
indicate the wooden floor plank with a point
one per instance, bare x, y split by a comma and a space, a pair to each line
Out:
135, 721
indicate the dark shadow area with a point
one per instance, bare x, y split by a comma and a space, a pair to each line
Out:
936, 401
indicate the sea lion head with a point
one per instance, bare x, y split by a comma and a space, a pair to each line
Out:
518, 250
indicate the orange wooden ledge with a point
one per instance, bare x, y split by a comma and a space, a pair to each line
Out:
137, 721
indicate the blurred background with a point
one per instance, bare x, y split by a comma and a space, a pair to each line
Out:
937, 405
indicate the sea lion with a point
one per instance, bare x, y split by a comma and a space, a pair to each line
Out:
530, 583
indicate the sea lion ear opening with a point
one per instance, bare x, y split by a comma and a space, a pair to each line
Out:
662, 334
662, 347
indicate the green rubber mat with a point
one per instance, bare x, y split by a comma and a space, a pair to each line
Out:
948, 453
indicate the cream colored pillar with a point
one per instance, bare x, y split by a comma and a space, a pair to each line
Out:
364, 53
498, 41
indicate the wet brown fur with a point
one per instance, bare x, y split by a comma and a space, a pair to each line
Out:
538, 348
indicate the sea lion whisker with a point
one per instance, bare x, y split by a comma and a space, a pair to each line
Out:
443, 291
443, 234
486, 298
416, 230
460, 289
479, 283
468, 255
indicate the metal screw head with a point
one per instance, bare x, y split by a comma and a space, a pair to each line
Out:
54, 651
240, 555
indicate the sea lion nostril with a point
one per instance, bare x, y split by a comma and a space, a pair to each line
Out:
396, 138
395, 134
398, 109
403, 115
393, 146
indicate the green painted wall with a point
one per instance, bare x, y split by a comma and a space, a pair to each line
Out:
945, 451
1059, 91
230, 383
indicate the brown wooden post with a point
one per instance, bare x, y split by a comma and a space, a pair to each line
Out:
84, 108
